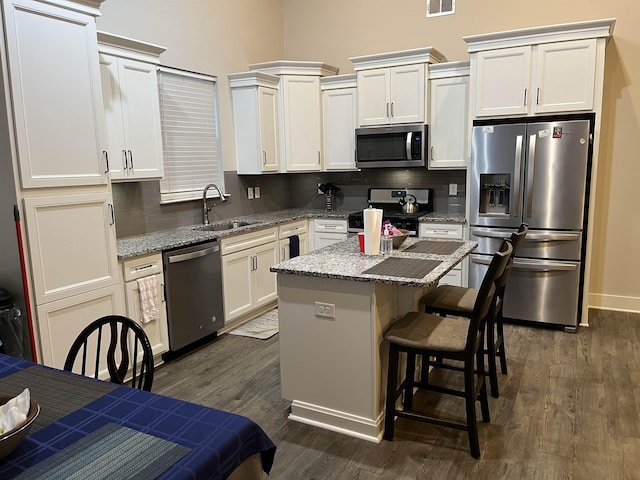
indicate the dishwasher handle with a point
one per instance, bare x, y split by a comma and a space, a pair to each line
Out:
183, 257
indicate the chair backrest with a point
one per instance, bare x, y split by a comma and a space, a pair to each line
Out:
517, 239
485, 299
124, 335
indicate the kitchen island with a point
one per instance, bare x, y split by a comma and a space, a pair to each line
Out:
334, 306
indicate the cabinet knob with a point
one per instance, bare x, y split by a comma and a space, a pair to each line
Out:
105, 155
264, 157
392, 109
125, 162
525, 97
130, 159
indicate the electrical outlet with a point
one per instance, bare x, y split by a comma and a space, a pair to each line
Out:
250, 193
453, 189
327, 310
320, 192
256, 192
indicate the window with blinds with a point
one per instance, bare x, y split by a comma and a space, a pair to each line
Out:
190, 137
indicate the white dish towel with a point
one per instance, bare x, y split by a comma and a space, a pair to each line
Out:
148, 299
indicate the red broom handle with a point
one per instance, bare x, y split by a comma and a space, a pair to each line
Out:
25, 285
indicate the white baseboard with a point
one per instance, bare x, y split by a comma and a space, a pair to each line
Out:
336, 421
614, 302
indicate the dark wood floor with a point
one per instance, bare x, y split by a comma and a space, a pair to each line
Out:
569, 409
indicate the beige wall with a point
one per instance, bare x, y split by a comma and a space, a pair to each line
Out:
222, 36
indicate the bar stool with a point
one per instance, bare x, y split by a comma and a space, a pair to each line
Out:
459, 301
446, 338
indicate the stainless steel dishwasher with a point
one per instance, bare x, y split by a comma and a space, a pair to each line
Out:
193, 289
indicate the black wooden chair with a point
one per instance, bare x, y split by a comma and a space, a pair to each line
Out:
459, 301
124, 335
444, 338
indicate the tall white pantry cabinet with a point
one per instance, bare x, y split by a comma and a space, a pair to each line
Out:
55, 138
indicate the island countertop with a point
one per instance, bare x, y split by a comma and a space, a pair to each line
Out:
344, 261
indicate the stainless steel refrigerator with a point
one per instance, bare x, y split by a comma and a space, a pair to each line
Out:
534, 173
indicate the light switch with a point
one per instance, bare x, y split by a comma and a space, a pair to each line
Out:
250, 193
256, 192
453, 189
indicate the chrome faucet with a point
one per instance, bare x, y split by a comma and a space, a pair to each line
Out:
205, 209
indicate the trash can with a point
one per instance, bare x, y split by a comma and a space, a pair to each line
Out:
11, 328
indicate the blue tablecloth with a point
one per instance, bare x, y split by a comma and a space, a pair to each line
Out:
217, 441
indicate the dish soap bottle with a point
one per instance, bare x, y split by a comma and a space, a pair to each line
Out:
386, 243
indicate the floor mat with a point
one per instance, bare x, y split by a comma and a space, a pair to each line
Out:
263, 327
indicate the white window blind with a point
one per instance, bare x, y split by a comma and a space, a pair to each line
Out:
190, 139
436, 8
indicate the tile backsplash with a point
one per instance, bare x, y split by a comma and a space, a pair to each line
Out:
138, 209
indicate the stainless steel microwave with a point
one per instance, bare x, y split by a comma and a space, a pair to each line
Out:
392, 146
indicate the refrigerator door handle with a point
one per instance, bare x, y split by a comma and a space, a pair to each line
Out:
552, 237
493, 233
529, 265
543, 266
518, 173
531, 167
530, 237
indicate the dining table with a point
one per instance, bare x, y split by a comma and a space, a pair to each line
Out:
93, 429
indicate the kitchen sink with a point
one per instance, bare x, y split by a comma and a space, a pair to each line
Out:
218, 227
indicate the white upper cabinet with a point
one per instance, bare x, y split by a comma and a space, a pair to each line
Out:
449, 122
339, 121
128, 71
391, 86
300, 112
302, 122
552, 69
503, 78
565, 76
56, 96
255, 104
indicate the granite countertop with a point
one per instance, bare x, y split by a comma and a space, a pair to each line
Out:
154, 242
134, 246
344, 261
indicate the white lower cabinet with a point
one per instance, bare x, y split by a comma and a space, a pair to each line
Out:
60, 322
248, 282
72, 243
450, 232
299, 228
148, 266
328, 231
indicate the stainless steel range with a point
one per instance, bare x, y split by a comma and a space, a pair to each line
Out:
401, 206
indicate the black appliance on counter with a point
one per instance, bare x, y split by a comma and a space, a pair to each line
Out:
393, 202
